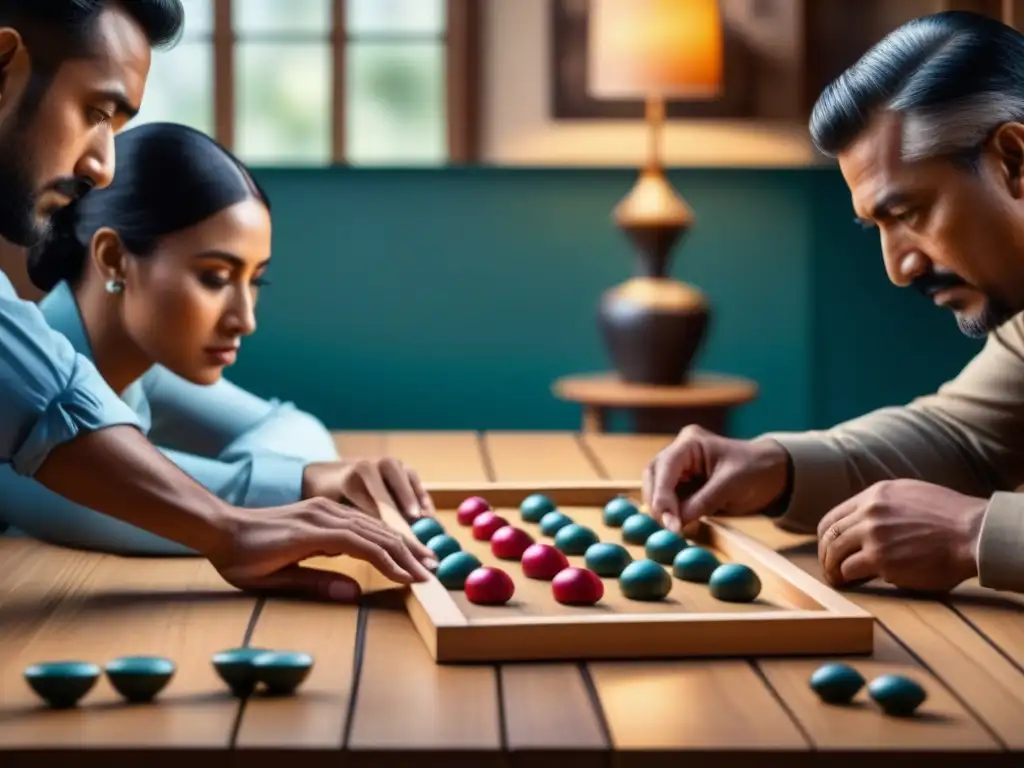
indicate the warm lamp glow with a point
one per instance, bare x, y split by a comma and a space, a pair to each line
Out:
660, 48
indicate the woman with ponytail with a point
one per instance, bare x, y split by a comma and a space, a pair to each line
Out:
155, 279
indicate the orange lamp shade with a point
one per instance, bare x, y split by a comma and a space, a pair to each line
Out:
640, 48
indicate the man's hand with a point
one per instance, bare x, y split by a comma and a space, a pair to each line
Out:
739, 477
364, 483
913, 535
262, 548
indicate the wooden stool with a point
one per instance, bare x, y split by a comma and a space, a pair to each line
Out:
705, 400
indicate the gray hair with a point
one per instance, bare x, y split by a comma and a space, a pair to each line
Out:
954, 77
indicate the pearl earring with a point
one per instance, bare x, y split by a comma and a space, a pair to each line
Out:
115, 286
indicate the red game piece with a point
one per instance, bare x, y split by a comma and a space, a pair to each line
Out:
509, 542
543, 561
485, 524
577, 586
489, 586
470, 508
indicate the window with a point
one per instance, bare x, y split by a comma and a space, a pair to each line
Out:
313, 82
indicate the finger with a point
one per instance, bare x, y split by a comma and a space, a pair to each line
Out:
861, 566
667, 468
299, 581
710, 499
648, 485
346, 542
382, 534
838, 512
426, 502
842, 540
400, 487
830, 535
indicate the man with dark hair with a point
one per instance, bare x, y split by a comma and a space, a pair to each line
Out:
928, 131
72, 73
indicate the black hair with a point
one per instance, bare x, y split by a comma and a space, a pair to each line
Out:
57, 30
169, 177
954, 76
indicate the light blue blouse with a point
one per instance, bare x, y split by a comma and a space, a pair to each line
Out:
248, 451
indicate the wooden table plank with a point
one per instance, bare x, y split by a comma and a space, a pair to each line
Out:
177, 607
952, 655
998, 616
720, 704
404, 701
623, 457
546, 706
537, 456
360, 445
318, 717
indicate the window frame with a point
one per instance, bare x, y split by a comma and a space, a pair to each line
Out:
462, 78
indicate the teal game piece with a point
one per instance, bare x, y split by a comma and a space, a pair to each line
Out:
235, 668
662, 546
836, 683
453, 570
553, 522
645, 580
639, 527
443, 545
139, 678
62, 684
735, 583
898, 696
535, 506
574, 539
607, 559
618, 510
282, 671
426, 528
695, 564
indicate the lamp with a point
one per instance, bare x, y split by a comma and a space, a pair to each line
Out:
652, 324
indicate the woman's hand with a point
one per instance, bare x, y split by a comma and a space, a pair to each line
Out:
364, 483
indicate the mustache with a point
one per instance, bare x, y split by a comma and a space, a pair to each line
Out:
933, 282
74, 188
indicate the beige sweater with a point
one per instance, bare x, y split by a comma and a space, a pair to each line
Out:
968, 436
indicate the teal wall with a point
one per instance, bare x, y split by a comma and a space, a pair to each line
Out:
451, 299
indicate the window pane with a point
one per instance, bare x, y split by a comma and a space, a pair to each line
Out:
395, 111
425, 17
198, 18
281, 16
180, 87
283, 102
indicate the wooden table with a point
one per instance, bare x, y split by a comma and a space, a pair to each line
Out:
705, 400
375, 698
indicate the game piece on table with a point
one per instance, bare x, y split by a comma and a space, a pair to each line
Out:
453, 570
552, 522
489, 586
898, 696
577, 586
645, 580
618, 510
543, 561
662, 546
139, 678
509, 542
486, 524
574, 539
638, 528
426, 528
607, 558
444, 545
695, 564
282, 671
470, 508
235, 668
735, 583
535, 506
62, 684
836, 683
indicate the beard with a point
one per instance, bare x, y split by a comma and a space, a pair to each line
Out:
19, 221
993, 313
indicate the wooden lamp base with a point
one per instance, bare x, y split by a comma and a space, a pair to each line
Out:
653, 325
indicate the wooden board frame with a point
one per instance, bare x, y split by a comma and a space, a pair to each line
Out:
826, 624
